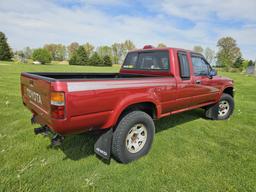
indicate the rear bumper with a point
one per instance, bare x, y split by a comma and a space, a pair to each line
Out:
75, 125
57, 126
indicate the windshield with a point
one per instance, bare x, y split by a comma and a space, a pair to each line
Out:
153, 60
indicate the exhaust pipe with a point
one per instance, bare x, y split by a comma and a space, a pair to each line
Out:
40, 130
56, 139
33, 119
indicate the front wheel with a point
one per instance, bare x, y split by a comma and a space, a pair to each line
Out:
223, 109
133, 136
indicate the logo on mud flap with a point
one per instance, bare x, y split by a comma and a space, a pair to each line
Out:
34, 96
101, 151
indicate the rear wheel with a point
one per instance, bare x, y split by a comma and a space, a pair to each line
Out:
133, 136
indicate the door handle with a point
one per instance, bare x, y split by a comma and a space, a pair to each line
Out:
198, 82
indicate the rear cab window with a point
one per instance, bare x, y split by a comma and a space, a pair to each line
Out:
147, 60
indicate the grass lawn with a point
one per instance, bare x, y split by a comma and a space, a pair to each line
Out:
189, 152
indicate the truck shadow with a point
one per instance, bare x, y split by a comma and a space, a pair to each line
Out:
76, 147
178, 119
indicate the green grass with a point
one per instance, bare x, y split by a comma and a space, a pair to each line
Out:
189, 152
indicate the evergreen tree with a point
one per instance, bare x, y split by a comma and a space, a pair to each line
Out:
72, 60
5, 51
79, 57
250, 63
238, 63
82, 56
95, 60
107, 61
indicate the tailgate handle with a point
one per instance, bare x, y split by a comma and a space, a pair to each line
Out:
31, 83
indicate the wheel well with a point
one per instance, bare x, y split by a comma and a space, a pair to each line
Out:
147, 107
229, 90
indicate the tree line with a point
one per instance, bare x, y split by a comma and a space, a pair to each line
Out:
76, 54
228, 56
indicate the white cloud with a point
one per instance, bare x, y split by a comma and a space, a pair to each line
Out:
34, 23
198, 10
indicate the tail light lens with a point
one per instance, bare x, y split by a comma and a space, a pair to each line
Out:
58, 105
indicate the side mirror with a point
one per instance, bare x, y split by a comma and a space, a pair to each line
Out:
212, 73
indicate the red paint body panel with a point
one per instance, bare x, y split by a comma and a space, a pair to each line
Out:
98, 103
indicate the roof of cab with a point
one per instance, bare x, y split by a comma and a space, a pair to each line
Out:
151, 48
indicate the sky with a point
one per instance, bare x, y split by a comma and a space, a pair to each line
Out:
176, 23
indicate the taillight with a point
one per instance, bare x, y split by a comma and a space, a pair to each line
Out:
58, 105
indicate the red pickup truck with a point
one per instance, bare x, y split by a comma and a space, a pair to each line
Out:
152, 83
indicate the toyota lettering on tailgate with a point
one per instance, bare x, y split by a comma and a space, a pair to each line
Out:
34, 96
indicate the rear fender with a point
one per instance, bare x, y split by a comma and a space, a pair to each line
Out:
128, 101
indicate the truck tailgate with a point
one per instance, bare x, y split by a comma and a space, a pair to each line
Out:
36, 96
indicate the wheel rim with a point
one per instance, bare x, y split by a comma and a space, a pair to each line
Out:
136, 138
223, 108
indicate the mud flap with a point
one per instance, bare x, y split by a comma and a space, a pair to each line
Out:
212, 112
102, 147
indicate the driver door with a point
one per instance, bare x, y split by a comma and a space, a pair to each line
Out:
205, 91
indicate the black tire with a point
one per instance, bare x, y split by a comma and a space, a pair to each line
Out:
212, 112
119, 149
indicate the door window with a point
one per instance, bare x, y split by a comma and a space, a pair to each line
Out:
200, 67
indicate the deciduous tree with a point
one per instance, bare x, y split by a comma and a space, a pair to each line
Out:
27, 51
104, 50
119, 51
209, 55
42, 55
58, 51
72, 48
88, 48
228, 52
198, 49
161, 45
129, 45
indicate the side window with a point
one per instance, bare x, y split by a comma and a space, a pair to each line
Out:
200, 67
184, 65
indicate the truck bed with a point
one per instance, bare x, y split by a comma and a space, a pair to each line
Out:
90, 98
64, 76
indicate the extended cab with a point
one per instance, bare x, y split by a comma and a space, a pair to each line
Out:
152, 83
